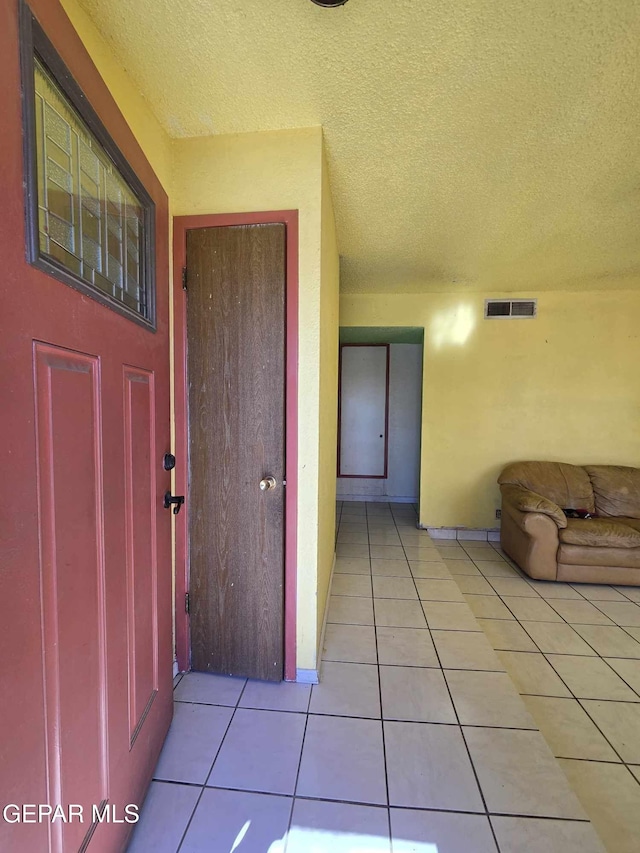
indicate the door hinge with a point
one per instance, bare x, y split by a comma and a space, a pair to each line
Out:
184, 278
187, 603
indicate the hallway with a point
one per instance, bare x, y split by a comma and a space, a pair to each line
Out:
415, 738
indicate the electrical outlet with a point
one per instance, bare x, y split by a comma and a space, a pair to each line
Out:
498, 513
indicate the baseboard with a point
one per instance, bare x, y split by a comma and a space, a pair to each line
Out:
307, 676
386, 499
324, 628
468, 534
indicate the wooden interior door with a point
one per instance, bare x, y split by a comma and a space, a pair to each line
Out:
236, 378
85, 585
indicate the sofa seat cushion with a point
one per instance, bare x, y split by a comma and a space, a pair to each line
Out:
599, 533
630, 522
616, 490
567, 486
587, 555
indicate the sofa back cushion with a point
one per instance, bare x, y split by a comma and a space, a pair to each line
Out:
616, 489
565, 485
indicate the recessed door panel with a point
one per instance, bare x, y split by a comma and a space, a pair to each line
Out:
73, 582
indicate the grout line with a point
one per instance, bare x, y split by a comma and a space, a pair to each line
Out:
459, 724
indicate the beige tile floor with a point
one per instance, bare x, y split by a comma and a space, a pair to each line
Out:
416, 740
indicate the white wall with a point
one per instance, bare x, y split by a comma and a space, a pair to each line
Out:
405, 401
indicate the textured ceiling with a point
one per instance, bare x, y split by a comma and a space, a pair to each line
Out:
481, 144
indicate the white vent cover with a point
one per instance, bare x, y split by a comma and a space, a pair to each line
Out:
501, 309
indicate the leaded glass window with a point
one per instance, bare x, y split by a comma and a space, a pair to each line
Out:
92, 225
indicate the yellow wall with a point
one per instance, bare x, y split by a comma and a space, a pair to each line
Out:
564, 386
329, 310
275, 171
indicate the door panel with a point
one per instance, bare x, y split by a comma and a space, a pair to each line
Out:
236, 375
364, 410
72, 577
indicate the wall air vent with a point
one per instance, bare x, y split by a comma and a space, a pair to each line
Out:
495, 309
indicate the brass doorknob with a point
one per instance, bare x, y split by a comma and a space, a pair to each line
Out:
267, 484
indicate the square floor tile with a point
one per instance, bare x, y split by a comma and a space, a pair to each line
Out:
429, 570
533, 674
519, 775
593, 678
393, 587
438, 590
164, 817
611, 797
581, 612
462, 567
462, 650
598, 592
479, 554
192, 743
391, 568
552, 590
487, 699
353, 537
415, 694
620, 724
342, 759
270, 696
353, 566
629, 671
632, 592
609, 641
322, 827
209, 689
229, 820
358, 585
260, 752
440, 832
557, 638
534, 835
350, 643
350, 610
428, 767
387, 552
625, 613
406, 647
532, 610
360, 552
489, 607
496, 569
568, 730
475, 584
423, 554
347, 689
513, 586
507, 635
450, 616
399, 614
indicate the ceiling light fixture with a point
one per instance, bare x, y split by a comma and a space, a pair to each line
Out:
329, 4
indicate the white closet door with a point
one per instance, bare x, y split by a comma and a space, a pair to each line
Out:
364, 393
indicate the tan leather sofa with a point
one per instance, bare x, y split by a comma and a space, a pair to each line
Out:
538, 536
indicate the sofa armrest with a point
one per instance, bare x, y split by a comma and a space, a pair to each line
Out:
526, 502
531, 540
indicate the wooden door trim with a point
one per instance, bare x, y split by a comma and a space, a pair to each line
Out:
182, 224
386, 417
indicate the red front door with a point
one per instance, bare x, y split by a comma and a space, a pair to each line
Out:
85, 571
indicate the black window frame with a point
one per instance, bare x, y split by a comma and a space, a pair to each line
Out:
34, 42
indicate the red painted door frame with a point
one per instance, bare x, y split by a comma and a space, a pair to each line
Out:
182, 224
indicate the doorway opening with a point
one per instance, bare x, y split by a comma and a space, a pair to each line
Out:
380, 414
237, 377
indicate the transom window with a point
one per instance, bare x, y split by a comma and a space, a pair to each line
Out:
90, 221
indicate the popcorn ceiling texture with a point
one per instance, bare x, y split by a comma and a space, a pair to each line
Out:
473, 144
